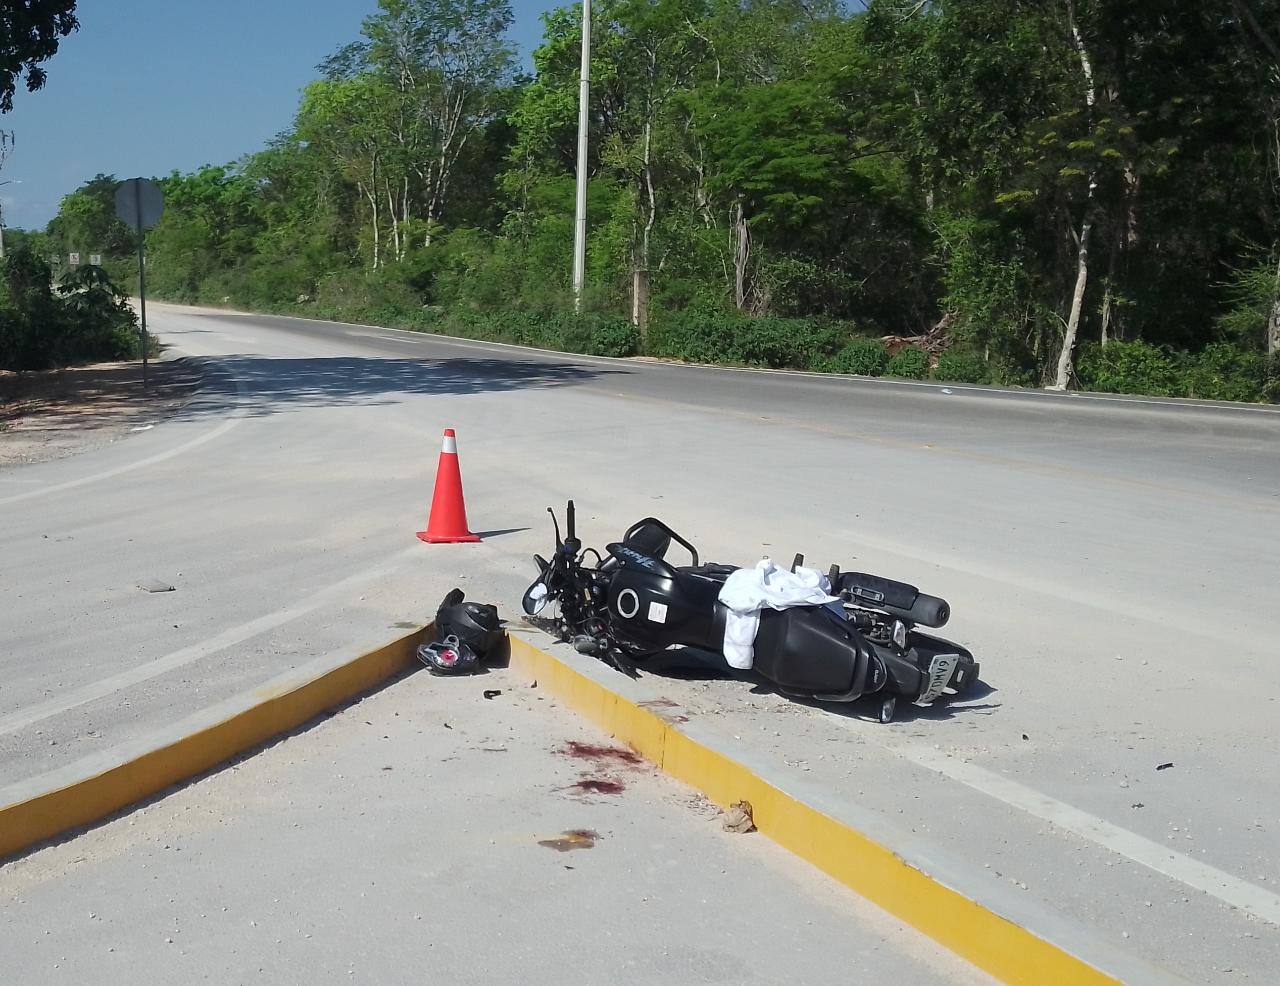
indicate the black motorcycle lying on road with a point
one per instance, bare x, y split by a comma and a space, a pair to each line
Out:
632, 603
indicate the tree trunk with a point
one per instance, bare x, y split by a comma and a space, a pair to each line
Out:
1108, 302
395, 225
6, 142
371, 193
640, 299
701, 195
1065, 358
406, 205
640, 277
1126, 242
928, 191
741, 256
1065, 363
1273, 320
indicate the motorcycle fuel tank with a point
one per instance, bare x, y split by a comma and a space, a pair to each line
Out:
661, 607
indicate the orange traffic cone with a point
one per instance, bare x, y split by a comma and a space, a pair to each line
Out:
448, 521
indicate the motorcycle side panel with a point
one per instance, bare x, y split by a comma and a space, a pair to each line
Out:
810, 651
902, 673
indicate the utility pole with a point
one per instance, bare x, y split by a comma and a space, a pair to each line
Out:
7, 181
6, 146
580, 222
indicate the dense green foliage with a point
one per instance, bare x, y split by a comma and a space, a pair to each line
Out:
86, 319
29, 34
912, 363
1074, 192
865, 357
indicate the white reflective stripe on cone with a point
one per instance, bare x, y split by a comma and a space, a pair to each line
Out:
450, 445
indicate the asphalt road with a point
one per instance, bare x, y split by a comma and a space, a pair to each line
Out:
1111, 561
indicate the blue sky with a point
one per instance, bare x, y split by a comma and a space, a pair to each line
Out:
147, 86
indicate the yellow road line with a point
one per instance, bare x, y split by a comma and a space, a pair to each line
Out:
972, 930
276, 708
994, 943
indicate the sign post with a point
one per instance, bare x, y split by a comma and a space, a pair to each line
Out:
140, 204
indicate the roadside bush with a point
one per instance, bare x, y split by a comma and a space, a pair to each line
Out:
88, 320
1129, 368
100, 324
1220, 372
862, 357
29, 314
694, 336
1224, 372
962, 366
589, 333
911, 363
614, 337
725, 337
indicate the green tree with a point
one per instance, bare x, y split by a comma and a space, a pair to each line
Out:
345, 119
29, 34
776, 180
208, 229
451, 63
87, 222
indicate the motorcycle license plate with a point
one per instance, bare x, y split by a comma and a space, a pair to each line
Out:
936, 679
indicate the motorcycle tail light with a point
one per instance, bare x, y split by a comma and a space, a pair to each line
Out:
446, 657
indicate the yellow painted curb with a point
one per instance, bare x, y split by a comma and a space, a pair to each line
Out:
272, 710
992, 942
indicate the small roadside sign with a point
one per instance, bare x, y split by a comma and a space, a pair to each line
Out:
75, 260
95, 259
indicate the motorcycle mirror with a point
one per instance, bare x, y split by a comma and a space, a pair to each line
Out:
555, 524
535, 598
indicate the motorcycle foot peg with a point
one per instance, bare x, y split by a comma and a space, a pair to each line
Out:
887, 707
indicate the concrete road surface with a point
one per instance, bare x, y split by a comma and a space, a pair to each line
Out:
1111, 561
427, 835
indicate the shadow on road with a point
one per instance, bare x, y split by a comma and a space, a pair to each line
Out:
269, 386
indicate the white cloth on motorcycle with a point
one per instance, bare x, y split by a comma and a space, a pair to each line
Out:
748, 591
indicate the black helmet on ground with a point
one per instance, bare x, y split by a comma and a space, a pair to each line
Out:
476, 626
